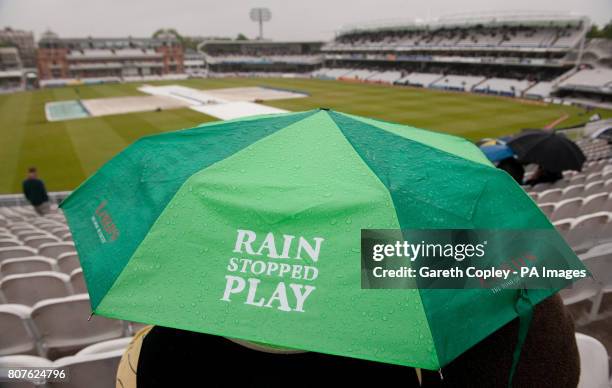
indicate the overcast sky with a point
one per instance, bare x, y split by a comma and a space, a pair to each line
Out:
291, 19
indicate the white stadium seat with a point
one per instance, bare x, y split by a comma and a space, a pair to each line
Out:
25, 362
17, 227
96, 370
599, 261
30, 288
9, 242
16, 252
575, 190
53, 250
587, 231
31, 233
550, 195
541, 186
594, 188
64, 326
566, 209
36, 242
26, 265
17, 335
584, 289
60, 231
68, 262
78, 281
106, 346
547, 208
595, 203
594, 366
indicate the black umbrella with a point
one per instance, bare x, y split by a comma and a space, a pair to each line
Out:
553, 152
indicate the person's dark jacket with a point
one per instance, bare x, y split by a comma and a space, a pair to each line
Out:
549, 358
513, 168
34, 190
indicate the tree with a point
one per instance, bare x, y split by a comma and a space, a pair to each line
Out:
605, 32
241, 36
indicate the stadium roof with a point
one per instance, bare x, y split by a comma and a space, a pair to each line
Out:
471, 19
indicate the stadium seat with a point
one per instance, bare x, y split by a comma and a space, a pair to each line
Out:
593, 177
568, 208
599, 261
28, 362
64, 326
36, 242
53, 250
30, 288
547, 208
541, 187
95, 370
594, 188
68, 262
60, 231
563, 226
16, 227
18, 335
550, 195
135, 327
106, 346
594, 368
578, 179
594, 203
587, 231
22, 235
573, 191
78, 281
5, 243
16, 252
24, 265
583, 289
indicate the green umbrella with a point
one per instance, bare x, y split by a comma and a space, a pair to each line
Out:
251, 229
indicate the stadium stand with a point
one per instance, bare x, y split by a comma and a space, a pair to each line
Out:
419, 79
580, 205
503, 86
261, 56
540, 90
358, 75
44, 306
327, 73
590, 80
457, 82
387, 77
530, 55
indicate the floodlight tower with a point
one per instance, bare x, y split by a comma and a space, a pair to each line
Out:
260, 15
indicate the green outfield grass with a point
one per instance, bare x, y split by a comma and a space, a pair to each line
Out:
68, 152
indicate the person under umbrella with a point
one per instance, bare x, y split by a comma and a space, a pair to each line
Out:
503, 157
551, 151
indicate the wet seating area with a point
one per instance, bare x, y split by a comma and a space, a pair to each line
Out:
45, 313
